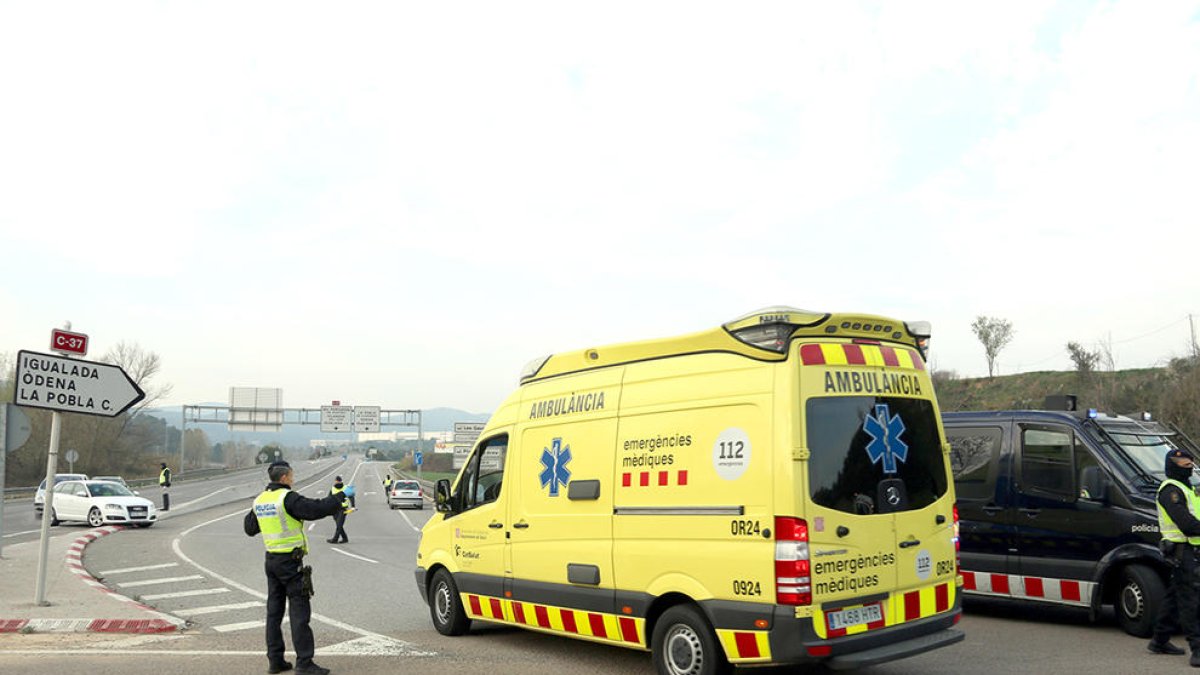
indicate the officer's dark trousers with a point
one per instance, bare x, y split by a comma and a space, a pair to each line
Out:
285, 584
340, 533
1180, 607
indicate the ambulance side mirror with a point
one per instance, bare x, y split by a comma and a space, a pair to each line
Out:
441, 495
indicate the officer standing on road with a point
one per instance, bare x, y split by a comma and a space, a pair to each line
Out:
277, 514
164, 482
1178, 508
339, 489
387, 486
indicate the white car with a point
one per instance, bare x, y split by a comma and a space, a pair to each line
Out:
406, 493
112, 479
39, 497
100, 502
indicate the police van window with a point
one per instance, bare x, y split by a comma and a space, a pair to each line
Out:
974, 455
1046, 461
482, 477
1084, 460
857, 443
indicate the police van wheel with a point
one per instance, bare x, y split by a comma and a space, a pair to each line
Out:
684, 644
1138, 598
445, 607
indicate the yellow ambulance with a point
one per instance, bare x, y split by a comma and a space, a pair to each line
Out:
775, 490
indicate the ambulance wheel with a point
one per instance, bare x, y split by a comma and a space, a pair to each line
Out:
1139, 596
684, 644
445, 606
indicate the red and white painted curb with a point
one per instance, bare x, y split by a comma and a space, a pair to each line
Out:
159, 623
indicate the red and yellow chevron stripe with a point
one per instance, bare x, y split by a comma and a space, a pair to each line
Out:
897, 609
745, 646
832, 354
627, 631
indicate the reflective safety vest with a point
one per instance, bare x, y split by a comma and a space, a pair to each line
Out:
338, 490
387, 484
280, 531
163, 476
1167, 527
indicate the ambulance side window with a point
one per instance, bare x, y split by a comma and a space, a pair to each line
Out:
482, 479
1047, 461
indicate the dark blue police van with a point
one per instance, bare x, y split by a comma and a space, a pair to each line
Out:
1058, 506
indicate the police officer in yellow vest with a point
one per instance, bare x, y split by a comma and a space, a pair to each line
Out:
164, 482
1178, 511
387, 486
339, 518
277, 514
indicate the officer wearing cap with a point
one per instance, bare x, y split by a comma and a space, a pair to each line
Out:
277, 514
1178, 508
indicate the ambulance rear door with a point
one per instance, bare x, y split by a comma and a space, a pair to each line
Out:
878, 495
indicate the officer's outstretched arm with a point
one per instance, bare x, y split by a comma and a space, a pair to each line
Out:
304, 508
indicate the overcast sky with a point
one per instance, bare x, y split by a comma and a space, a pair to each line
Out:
400, 204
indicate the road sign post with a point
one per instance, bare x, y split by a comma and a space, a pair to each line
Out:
62, 384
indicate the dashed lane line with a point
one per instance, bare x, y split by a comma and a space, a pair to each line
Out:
213, 609
352, 555
163, 580
184, 594
143, 568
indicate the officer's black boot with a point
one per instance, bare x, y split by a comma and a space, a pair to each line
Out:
280, 667
1164, 648
1195, 660
312, 669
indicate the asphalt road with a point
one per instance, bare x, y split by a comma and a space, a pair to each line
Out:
370, 618
23, 523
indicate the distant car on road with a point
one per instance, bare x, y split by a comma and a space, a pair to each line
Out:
112, 479
98, 502
406, 493
40, 497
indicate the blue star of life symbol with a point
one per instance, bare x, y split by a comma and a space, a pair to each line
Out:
885, 445
555, 460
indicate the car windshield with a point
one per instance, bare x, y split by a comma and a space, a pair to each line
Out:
109, 490
1148, 451
407, 485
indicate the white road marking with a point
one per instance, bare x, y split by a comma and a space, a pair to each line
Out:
185, 594
213, 609
312, 525
410, 523
164, 580
211, 494
245, 625
338, 550
139, 640
143, 568
364, 646
17, 534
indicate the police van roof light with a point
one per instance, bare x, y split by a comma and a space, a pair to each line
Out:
1147, 417
1093, 413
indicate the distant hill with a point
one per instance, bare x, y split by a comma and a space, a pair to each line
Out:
433, 419
1122, 391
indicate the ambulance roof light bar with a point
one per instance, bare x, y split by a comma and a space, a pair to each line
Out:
770, 327
921, 330
533, 367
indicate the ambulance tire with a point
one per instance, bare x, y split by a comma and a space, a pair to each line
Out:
445, 606
684, 644
1139, 595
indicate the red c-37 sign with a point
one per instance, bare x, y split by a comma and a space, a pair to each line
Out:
64, 341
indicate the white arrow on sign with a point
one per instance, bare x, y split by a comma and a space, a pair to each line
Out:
73, 385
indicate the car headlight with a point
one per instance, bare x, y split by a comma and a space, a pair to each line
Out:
113, 507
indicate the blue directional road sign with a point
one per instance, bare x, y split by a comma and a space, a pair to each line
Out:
418, 458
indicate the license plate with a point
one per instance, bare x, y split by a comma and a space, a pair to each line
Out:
854, 616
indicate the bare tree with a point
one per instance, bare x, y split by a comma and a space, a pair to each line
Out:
142, 367
1084, 359
995, 334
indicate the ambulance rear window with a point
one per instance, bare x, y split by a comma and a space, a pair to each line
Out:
874, 454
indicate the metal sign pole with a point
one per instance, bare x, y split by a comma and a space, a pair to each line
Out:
3, 469
47, 507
